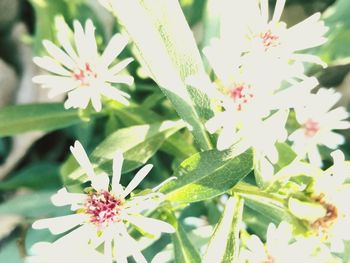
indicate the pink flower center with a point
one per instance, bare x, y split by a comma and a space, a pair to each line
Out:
241, 95
310, 127
269, 40
269, 259
103, 208
84, 75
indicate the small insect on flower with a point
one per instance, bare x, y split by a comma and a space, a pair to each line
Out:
80, 70
104, 213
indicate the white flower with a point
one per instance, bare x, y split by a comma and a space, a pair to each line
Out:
103, 214
274, 38
280, 247
80, 70
332, 190
317, 120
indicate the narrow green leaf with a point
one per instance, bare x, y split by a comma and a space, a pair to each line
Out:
37, 117
224, 244
208, 174
175, 145
36, 176
184, 250
167, 48
138, 143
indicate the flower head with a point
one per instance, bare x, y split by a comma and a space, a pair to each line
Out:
332, 190
103, 214
273, 38
317, 120
80, 70
282, 247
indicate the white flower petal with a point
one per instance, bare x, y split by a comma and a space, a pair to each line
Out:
59, 55
140, 175
151, 225
62, 197
124, 79
278, 10
49, 64
63, 38
90, 38
117, 170
114, 48
58, 225
120, 66
82, 158
114, 93
80, 40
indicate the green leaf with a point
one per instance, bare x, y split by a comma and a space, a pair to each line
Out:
285, 156
10, 252
184, 250
270, 205
208, 174
168, 50
224, 244
138, 143
45, 13
35, 176
336, 49
37, 117
31, 205
176, 145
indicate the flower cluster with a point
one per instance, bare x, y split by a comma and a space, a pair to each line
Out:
260, 76
102, 215
260, 85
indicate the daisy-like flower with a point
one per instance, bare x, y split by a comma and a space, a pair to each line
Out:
104, 213
317, 120
281, 247
80, 70
273, 38
332, 190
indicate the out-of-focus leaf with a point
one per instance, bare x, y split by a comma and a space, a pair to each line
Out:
31, 205
10, 253
37, 117
35, 176
208, 174
45, 13
138, 143
337, 18
184, 250
168, 49
224, 244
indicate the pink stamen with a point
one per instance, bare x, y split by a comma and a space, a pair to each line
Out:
83, 75
269, 40
241, 95
103, 208
310, 127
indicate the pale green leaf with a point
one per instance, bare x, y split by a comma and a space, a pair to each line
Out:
168, 50
37, 117
224, 244
208, 174
184, 250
